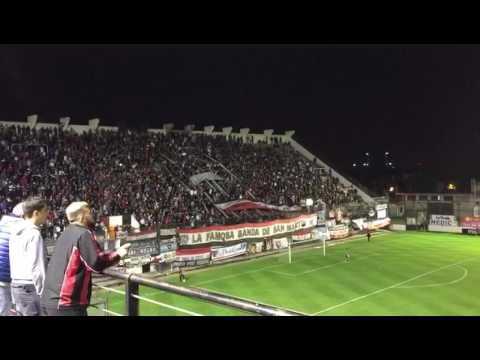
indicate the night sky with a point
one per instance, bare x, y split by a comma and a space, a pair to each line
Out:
421, 103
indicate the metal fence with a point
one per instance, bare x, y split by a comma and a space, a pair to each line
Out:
132, 297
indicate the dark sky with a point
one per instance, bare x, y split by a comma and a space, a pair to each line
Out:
421, 103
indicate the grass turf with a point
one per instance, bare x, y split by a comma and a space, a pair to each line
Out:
401, 273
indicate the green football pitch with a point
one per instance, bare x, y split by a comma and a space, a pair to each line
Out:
400, 273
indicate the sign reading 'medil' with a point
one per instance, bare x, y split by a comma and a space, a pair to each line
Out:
443, 220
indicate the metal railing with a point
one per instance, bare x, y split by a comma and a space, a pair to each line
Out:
132, 283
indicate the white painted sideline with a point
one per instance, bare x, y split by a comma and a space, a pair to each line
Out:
147, 300
166, 305
390, 287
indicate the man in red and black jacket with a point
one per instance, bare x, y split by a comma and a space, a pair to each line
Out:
68, 283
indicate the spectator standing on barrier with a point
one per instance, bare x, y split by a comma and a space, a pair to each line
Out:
27, 258
77, 254
7, 225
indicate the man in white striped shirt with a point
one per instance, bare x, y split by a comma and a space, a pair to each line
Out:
27, 258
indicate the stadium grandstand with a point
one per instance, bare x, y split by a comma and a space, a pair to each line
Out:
163, 176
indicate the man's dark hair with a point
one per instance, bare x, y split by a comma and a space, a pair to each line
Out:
33, 203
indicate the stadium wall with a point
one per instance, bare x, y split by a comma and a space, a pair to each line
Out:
449, 229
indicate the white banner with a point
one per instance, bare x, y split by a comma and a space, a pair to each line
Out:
115, 220
382, 214
381, 207
246, 231
165, 257
239, 205
281, 243
168, 231
143, 235
229, 251
359, 222
443, 220
377, 224
338, 232
320, 233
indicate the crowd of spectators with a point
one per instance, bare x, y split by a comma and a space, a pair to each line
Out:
149, 175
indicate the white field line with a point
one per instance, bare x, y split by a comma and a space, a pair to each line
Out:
147, 300
259, 302
390, 287
465, 274
111, 289
166, 305
239, 274
281, 273
112, 312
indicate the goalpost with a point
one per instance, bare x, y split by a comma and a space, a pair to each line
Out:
298, 243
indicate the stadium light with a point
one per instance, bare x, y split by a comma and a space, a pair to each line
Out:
227, 130
392, 189
208, 129
32, 120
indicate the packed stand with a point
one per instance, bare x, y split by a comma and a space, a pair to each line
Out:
148, 175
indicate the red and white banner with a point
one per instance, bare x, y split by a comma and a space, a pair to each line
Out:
246, 231
141, 235
239, 205
192, 254
165, 257
192, 257
302, 235
376, 224
470, 222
